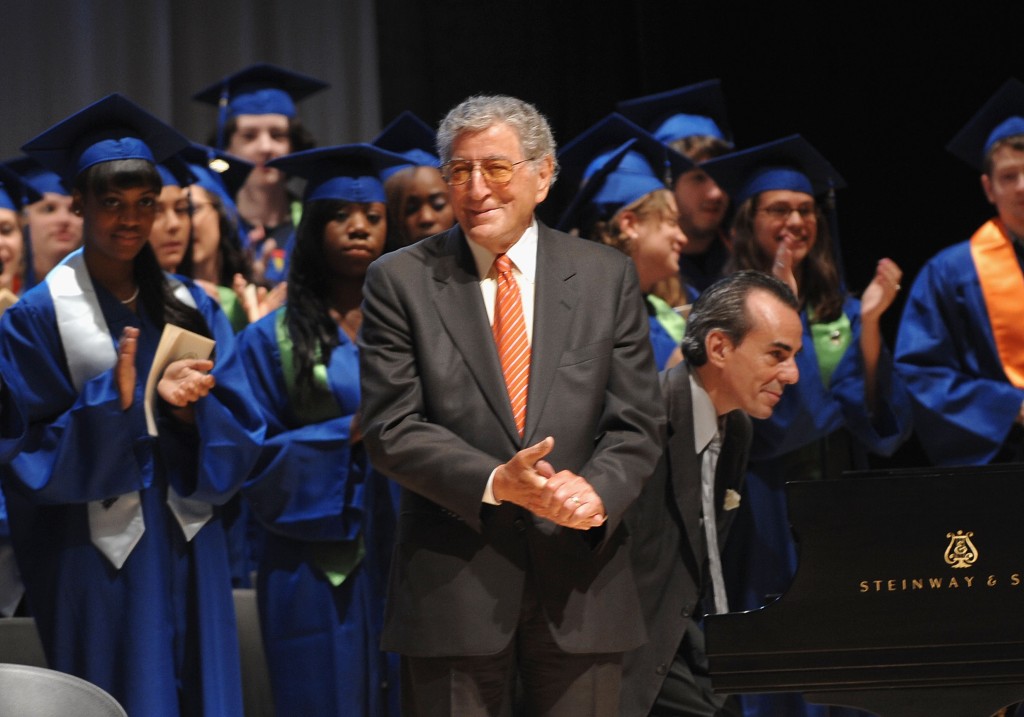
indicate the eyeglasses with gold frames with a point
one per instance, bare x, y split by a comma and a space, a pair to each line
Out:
493, 171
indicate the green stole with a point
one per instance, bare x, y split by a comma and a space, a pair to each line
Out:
831, 340
335, 559
669, 318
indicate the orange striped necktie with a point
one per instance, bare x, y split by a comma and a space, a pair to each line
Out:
510, 336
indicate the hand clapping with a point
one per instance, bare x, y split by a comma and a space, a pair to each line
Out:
563, 497
185, 381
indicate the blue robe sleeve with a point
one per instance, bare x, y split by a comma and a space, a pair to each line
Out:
307, 483
662, 344
12, 418
229, 427
889, 425
808, 411
84, 434
81, 446
964, 406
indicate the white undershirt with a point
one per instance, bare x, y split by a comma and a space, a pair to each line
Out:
523, 255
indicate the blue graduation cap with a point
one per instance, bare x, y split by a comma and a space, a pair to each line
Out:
259, 89
217, 171
36, 175
789, 163
350, 172
110, 129
15, 192
1000, 117
175, 172
410, 137
580, 158
616, 178
607, 189
697, 109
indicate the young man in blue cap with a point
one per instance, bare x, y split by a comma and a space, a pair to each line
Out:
961, 341
257, 120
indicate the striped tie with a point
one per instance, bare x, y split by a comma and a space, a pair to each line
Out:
510, 336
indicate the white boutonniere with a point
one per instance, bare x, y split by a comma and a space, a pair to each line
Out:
732, 500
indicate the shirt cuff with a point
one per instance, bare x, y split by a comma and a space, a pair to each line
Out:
489, 490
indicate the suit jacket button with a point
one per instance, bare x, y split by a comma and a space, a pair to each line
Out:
662, 669
519, 524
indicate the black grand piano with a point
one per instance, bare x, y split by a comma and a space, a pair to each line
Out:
908, 600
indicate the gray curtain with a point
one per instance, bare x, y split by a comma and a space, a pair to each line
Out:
60, 55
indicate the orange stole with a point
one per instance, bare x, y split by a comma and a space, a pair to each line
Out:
1002, 285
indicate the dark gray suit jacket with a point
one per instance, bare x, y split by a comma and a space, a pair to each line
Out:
668, 546
436, 418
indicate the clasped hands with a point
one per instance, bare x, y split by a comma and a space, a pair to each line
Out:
562, 497
183, 382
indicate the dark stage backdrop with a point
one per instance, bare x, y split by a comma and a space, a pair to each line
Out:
60, 55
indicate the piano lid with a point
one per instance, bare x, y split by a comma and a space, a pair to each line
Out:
909, 589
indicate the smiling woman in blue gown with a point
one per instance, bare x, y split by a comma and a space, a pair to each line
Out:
624, 202
115, 519
329, 517
849, 401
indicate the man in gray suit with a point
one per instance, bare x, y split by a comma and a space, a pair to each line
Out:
510, 586
740, 347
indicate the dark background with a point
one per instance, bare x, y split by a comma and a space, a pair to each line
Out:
879, 91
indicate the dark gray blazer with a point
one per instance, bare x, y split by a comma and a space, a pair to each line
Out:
668, 547
436, 419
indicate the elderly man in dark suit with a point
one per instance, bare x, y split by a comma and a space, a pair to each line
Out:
741, 340
509, 388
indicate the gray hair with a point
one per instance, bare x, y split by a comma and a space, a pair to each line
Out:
723, 307
480, 112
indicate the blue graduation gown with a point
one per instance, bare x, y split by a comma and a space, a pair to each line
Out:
159, 634
661, 342
311, 489
760, 558
12, 432
964, 406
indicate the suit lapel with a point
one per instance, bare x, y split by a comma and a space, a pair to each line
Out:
683, 459
462, 312
556, 293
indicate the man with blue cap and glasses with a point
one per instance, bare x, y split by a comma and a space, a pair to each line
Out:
257, 120
961, 341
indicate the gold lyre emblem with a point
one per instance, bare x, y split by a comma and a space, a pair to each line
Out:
961, 553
